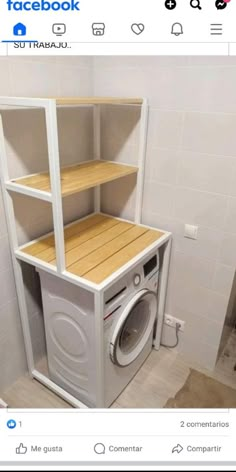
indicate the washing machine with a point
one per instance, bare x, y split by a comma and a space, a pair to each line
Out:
94, 358
130, 317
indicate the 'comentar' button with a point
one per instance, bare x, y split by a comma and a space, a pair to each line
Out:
125, 448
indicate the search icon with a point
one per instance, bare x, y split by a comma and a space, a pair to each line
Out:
99, 448
195, 4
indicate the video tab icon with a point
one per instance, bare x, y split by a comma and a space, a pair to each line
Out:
59, 29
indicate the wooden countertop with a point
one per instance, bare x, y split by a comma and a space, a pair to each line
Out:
97, 246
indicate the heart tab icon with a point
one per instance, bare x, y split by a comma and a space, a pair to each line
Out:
137, 28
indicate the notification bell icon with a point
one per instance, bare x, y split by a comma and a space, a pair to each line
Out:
177, 29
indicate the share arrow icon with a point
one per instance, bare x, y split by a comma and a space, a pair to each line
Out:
177, 448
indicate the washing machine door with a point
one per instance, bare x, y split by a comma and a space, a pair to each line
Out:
133, 328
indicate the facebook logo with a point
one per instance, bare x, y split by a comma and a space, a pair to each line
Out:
43, 5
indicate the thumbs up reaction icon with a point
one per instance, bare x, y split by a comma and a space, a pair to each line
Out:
21, 449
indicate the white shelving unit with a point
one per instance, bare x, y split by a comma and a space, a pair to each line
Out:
117, 244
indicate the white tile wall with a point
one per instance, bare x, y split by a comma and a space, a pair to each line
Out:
207, 244
227, 251
36, 77
119, 199
162, 164
158, 195
190, 178
120, 127
212, 133
223, 279
207, 173
13, 361
201, 208
34, 309
119, 133
75, 134
230, 220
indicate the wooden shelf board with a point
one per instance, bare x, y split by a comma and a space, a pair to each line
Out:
79, 177
97, 246
98, 101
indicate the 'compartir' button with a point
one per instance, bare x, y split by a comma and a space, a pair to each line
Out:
204, 449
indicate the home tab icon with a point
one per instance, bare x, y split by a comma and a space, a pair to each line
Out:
19, 29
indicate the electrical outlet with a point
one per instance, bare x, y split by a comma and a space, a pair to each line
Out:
190, 231
172, 321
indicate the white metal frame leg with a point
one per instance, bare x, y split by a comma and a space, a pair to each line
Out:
99, 336
141, 161
55, 179
97, 152
162, 290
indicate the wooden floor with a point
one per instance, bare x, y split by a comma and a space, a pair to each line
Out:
80, 177
97, 246
161, 376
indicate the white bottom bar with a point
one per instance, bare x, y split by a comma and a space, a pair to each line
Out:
58, 390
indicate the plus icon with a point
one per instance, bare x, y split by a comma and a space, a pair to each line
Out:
170, 4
